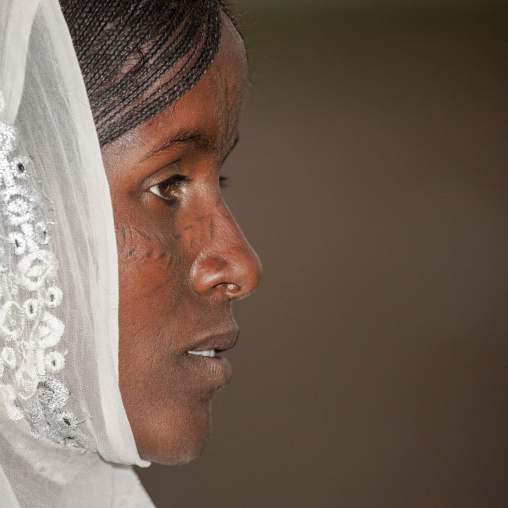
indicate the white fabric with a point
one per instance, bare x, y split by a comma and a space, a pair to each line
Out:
48, 346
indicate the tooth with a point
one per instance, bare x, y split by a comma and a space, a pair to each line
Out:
208, 352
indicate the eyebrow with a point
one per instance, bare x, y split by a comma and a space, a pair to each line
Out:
200, 141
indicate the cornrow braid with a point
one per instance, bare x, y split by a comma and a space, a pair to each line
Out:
139, 56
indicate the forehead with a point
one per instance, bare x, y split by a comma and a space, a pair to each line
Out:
211, 108
218, 96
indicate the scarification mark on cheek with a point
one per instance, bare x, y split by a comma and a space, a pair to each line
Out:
224, 213
121, 238
136, 244
163, 241
195, 234
146, 236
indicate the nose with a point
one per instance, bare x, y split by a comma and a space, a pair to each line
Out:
226, 265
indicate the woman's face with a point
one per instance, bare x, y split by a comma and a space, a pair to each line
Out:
182, 260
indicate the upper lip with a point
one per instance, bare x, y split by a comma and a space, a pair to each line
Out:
220, 341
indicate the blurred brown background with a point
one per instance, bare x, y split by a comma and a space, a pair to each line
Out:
371, 177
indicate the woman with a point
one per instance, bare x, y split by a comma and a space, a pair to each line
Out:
108, 351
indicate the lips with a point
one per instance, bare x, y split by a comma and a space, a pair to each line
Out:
202, 355
215, 343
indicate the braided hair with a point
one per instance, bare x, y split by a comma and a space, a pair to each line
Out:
139, 56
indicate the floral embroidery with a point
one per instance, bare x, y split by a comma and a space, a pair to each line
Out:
29, 329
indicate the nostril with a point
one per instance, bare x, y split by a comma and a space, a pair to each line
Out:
233, 291
234, 274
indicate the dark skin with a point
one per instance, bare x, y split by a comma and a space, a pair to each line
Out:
182, 260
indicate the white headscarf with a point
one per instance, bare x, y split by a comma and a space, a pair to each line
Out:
64, 436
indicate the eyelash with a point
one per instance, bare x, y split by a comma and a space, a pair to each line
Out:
174, 183
166, 190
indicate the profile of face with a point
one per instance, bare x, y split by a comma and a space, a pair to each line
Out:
182, 259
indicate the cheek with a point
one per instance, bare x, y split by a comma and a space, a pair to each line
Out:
139, 244
157, 301
158, 312
140, 236
152, 272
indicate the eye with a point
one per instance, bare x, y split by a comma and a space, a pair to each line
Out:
168, 189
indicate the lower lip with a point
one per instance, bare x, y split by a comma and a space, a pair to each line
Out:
217, 367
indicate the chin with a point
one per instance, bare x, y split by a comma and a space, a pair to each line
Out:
176, 457
181, 458
176, 441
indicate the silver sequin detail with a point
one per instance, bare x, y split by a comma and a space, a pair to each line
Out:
30, 331
46, 417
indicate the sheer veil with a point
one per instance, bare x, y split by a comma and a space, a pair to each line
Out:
64, 436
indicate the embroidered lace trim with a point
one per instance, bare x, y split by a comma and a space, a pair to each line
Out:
29, 330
